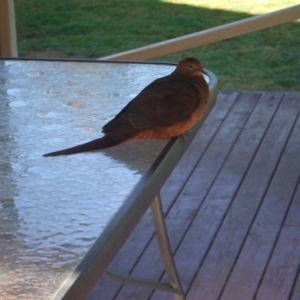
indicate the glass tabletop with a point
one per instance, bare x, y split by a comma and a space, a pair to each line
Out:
52, 210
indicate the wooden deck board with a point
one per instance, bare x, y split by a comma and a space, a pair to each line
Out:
229, 238
295, 294
232, 208
257, 250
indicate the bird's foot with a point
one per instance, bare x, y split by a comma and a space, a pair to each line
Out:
185, 134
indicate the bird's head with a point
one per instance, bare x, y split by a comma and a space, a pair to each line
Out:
189, 66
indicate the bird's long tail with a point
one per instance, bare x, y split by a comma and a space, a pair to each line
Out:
102, 143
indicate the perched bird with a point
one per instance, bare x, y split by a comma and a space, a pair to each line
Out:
166, 108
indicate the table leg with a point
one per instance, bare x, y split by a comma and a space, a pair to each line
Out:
174, 285
165, 248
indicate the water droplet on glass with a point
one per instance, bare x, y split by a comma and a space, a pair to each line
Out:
18, 104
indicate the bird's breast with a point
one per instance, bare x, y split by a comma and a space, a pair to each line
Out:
177, 129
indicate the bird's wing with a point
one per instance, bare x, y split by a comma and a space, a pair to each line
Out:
163, 103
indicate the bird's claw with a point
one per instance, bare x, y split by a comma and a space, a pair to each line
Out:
183, 136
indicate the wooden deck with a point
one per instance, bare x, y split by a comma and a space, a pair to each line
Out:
232, 208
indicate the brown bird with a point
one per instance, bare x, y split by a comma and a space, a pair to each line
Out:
166, 108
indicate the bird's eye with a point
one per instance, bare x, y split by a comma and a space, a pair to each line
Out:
190, 67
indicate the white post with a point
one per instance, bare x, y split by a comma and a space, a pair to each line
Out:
8, 37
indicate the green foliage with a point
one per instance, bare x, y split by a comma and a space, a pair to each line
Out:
265, 60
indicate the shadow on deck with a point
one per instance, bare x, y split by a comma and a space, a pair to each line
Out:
232, 208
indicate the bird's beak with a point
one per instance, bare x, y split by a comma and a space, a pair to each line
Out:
201, 72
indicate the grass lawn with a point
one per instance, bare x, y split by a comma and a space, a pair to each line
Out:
268, 60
